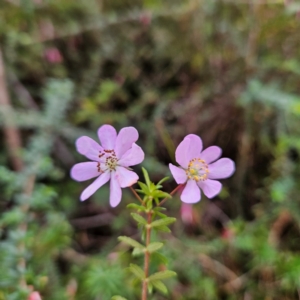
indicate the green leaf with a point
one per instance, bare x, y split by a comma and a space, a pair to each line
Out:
149, 204
159, 208
139, 218
163, 222
14, 216
161, 215
154, 246
144, 187
159, 257
162, 275
163, 229
150, 288
138, 251
160, 286
146, 175
118, 298
130, 242
161, 194
162, 180
136, 206
137, 271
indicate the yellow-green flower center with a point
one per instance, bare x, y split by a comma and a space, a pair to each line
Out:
197, 170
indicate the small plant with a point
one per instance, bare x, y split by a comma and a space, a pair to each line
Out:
112, 160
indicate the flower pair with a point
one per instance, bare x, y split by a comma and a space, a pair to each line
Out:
111, 161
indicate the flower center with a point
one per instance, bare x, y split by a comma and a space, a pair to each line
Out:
197, 169
109, 159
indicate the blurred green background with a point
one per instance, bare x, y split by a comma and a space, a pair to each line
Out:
227, 70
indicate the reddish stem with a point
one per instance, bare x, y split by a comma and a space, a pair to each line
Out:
147, 258
172, 193
136, 194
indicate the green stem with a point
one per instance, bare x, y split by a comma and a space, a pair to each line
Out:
147, 257
23, 228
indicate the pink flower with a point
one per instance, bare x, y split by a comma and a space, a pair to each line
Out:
199, 169
53, 55
34, 296
186, 213
110, 161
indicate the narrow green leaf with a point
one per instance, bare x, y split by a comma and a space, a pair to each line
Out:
139, 218
162, 275
154, 246
163, 222
160, 286
162, 228
152, 187
159, 208
138, 251
161, 194
144, 187
136, 206
159, 257
149, 203
146, 176
130, 242
162, 180
161, 214
156, 201
118, 298
137, 271
150, 288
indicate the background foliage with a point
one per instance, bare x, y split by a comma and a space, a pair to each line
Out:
226, 70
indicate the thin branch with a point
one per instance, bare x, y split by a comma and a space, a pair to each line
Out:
11, 133
147, 258
136, 194
172, 193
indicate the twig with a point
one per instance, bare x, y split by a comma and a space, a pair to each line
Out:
147, 258
11, 133
136, 194
172, 193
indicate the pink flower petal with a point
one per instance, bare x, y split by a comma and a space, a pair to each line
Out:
191, 192
135, 155
126, 137
125, 177
92, 188
34, 296
188, 149
222, 168
107, 136
178, 174
115, 191
210, 188
211, 154
85, 171
88, 147
186, 213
